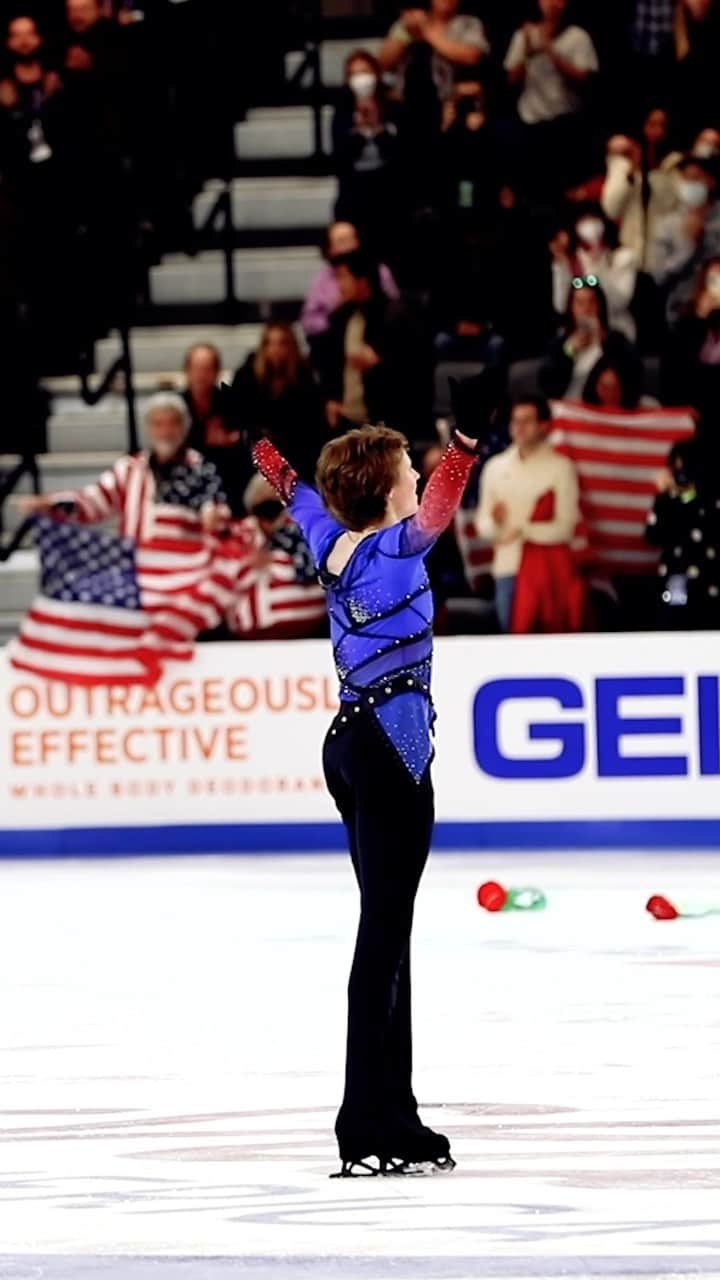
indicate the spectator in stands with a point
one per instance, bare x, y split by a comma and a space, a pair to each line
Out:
585, 339
166, 472
684, 525
591, 249
276, 594
550, 61
366, 153
698, 47
275, 394
640, 184
707, 144
372, 362
691, 363
90, 28
649, 75
210, 433
94, 47
323, 296
685, 239
470, 153
613, 385
27, 92
469, 334
451, 41
529, 495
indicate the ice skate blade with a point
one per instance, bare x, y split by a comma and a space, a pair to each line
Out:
370, 1167
420, 1168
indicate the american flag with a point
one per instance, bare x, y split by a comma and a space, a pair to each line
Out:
276, 593
618, 454
112, 610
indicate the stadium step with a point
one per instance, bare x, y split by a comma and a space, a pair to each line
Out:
262, 204
57, 471
64, 470
88, 429
18, 585
164, 349
333, 56
260, 275
272, 133
9, 625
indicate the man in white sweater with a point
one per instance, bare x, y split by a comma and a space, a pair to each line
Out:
512, 483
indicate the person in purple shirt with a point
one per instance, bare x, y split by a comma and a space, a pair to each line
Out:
323, 296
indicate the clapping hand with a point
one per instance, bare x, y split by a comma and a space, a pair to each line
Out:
364, 358
415, 22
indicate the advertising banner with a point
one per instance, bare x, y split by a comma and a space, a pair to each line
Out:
556, 741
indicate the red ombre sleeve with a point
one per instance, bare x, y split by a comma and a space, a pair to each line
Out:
305, 504
275, 468
440, 500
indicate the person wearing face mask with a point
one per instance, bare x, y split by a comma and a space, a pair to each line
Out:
684, 240
366, 152
592, 249
684, 524
707, 144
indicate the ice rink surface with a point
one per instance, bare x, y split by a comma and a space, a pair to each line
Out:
171, 1058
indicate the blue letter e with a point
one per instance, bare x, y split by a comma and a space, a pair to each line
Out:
570, 737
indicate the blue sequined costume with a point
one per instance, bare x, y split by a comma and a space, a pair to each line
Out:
381, 606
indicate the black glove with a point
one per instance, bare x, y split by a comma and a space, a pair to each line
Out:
231, 411
475, 402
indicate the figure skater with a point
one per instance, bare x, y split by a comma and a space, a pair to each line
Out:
369, 538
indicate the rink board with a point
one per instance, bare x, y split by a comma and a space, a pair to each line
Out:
608, 741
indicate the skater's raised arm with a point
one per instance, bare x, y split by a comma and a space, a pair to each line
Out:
441, 498
474, 401
305, 504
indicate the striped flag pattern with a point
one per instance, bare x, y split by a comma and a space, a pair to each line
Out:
617, 454
112, 611
270, 596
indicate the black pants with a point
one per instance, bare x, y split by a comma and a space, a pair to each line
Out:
389, 819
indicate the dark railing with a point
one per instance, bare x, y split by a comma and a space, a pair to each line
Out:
307, 76
219, 218
123, 365
26, 466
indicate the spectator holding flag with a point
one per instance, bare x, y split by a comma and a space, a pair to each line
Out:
138, 485
277, 594
111, 608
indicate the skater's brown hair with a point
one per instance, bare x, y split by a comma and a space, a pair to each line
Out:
357, 471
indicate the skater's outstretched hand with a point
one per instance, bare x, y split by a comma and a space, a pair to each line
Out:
231, 411
474, 403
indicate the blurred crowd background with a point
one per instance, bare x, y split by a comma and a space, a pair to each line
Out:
531, 187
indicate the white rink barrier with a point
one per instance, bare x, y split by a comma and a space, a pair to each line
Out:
542, 742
